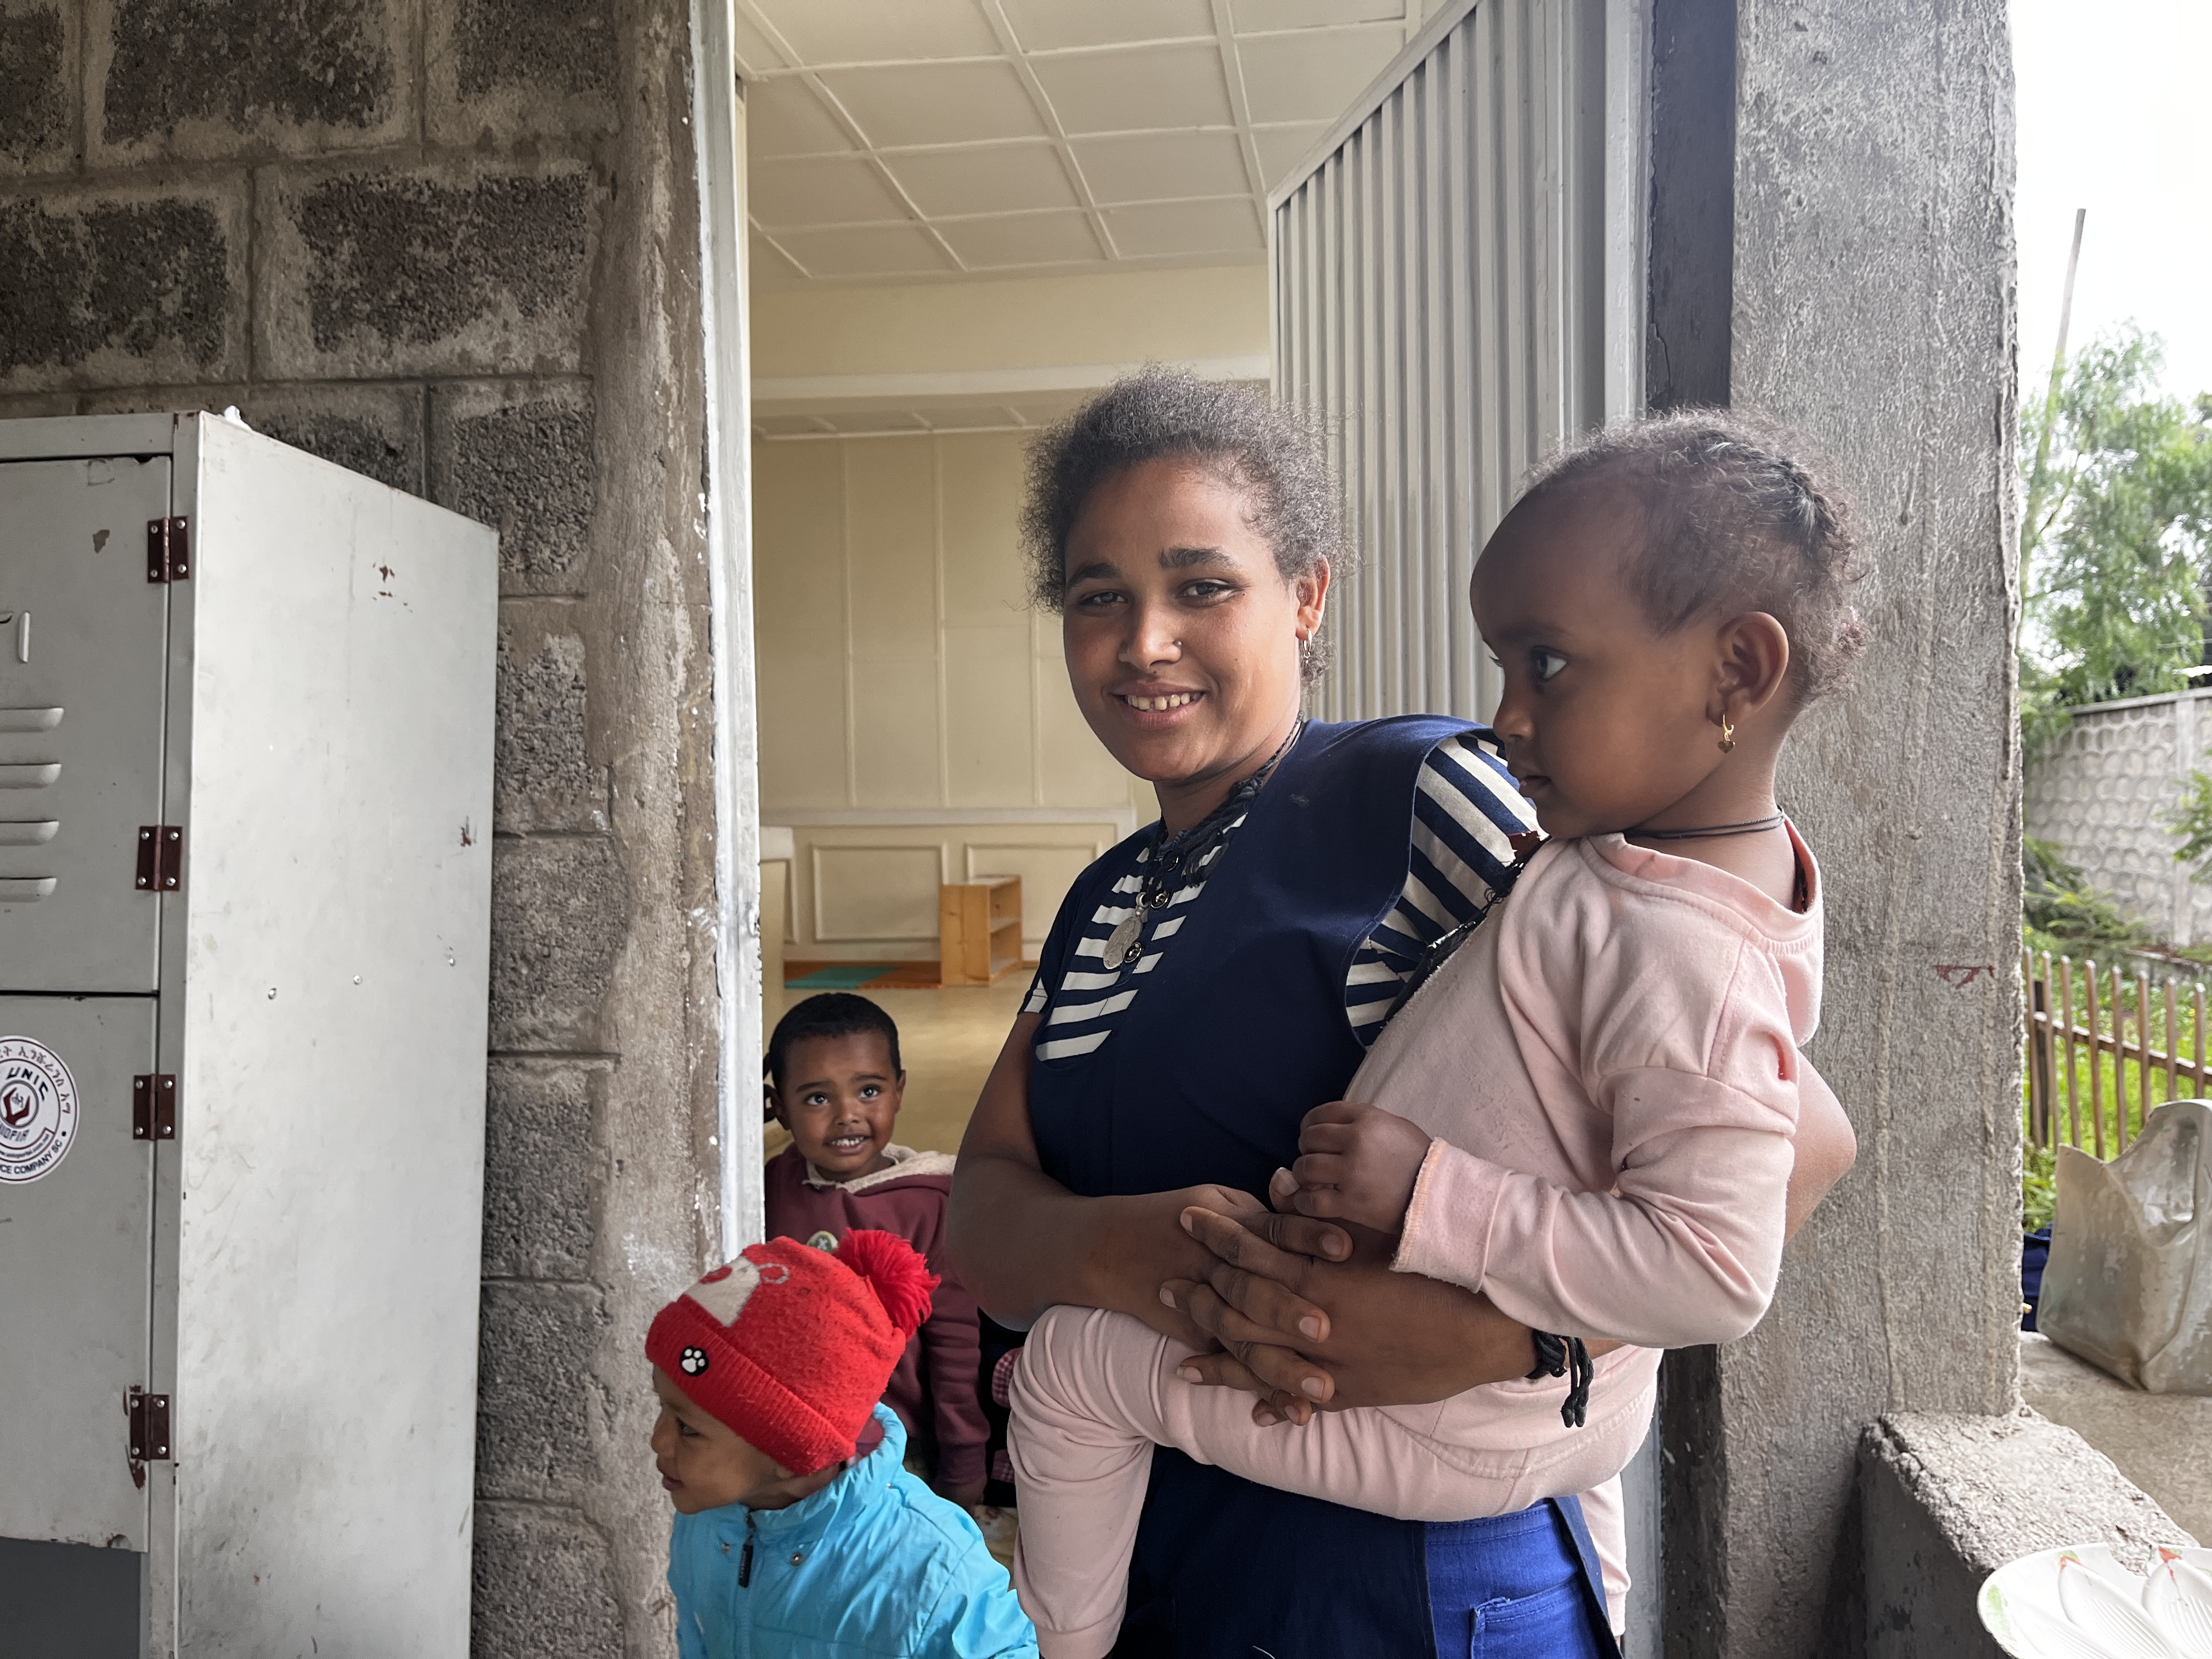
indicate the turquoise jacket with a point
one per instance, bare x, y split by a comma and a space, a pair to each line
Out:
875, 1565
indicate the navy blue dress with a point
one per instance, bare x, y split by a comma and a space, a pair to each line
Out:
1239, 1032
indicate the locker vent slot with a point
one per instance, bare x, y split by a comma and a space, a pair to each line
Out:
161, 857
24, 889
168, 550
36, 775
154, 1106
28, 832
29, 720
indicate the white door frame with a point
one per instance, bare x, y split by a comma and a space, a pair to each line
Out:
718, 129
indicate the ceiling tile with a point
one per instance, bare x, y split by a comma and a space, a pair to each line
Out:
1313, 75
818, 190
784, 118
1175, 228
866, 250
937, 103
1251, 16
1130, 91
871, 32
1043, 25
1021, 238
1162, 166
767, 267
1282, 148
786, 426
754, 52
990, 179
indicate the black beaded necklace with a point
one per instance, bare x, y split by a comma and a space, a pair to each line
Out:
1186, 851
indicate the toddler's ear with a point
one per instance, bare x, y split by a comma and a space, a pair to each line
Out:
771, 1105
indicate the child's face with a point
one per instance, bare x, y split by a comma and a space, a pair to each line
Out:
839, 1099
1605, 722
705, 1464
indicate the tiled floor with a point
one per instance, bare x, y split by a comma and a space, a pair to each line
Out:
949, 1039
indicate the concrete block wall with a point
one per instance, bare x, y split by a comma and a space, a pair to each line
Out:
2103, 791
452, 245
1948, 1499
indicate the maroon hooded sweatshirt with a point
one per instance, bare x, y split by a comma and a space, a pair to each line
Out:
934, 1388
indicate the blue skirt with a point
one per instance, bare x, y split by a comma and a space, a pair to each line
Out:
1228, 1570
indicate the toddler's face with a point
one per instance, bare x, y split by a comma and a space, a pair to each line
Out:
840, 1097
1605, 722
704, 1464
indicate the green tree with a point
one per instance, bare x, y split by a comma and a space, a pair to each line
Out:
2117, 542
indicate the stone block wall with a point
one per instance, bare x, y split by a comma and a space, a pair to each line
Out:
2105, 790
454, 245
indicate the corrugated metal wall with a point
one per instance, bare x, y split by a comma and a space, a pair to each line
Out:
1442, 301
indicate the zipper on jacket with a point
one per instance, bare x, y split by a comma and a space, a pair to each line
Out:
745, 1557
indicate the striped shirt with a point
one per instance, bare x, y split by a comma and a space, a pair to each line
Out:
1464, 807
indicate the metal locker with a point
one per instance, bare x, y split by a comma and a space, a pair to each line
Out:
83, 656
246, 726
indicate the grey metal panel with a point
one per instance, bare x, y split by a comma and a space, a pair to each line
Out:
331, 759
1442, 305
82, 643
77, 1247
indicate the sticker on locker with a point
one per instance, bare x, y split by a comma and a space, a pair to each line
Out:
38, 1110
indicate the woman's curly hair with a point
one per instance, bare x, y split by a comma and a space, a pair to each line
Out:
1269, 454
1737, 517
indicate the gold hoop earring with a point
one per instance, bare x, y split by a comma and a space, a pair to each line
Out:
1728, 735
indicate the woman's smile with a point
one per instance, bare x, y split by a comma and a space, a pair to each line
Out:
1155, 708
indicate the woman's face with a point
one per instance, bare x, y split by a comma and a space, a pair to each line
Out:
1182, 636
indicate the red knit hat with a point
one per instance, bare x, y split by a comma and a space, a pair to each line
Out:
791, 1345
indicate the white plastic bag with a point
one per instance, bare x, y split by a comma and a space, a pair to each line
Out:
2129, 1287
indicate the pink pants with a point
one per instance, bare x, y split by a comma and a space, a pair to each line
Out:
1095, 1391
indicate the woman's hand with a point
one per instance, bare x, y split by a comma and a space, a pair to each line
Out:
1357, 1163
1364, 1336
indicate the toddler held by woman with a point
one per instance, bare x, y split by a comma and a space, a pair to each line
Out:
1585, 1111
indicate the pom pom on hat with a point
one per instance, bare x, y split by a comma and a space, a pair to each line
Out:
791, 1346
894, 1271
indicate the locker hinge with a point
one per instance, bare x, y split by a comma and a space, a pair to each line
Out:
169, 551
149, 1431
154, 1106
161, 857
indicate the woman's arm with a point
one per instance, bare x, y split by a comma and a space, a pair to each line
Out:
1271, 1264
1825, 1147
1020, 1241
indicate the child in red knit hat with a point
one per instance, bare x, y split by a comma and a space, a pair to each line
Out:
799, 1533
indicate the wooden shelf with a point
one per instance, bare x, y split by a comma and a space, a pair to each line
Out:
979, 929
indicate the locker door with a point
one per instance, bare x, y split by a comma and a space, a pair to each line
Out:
76, 1237
83, 640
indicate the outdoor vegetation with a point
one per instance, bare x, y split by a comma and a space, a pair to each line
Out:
2116, 560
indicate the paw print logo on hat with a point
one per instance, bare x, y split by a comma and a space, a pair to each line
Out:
694, 1361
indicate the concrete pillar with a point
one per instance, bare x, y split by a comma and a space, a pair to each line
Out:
454, 243
1865, 296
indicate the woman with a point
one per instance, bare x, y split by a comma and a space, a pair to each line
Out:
1208, 982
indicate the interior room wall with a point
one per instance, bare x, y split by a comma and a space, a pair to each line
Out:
916, 723
1201, 311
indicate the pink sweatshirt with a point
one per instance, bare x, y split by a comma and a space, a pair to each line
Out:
1613, 1154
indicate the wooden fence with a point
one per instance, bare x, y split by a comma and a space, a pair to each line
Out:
2094, 1037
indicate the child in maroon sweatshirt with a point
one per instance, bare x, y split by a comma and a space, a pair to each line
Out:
835, 1082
